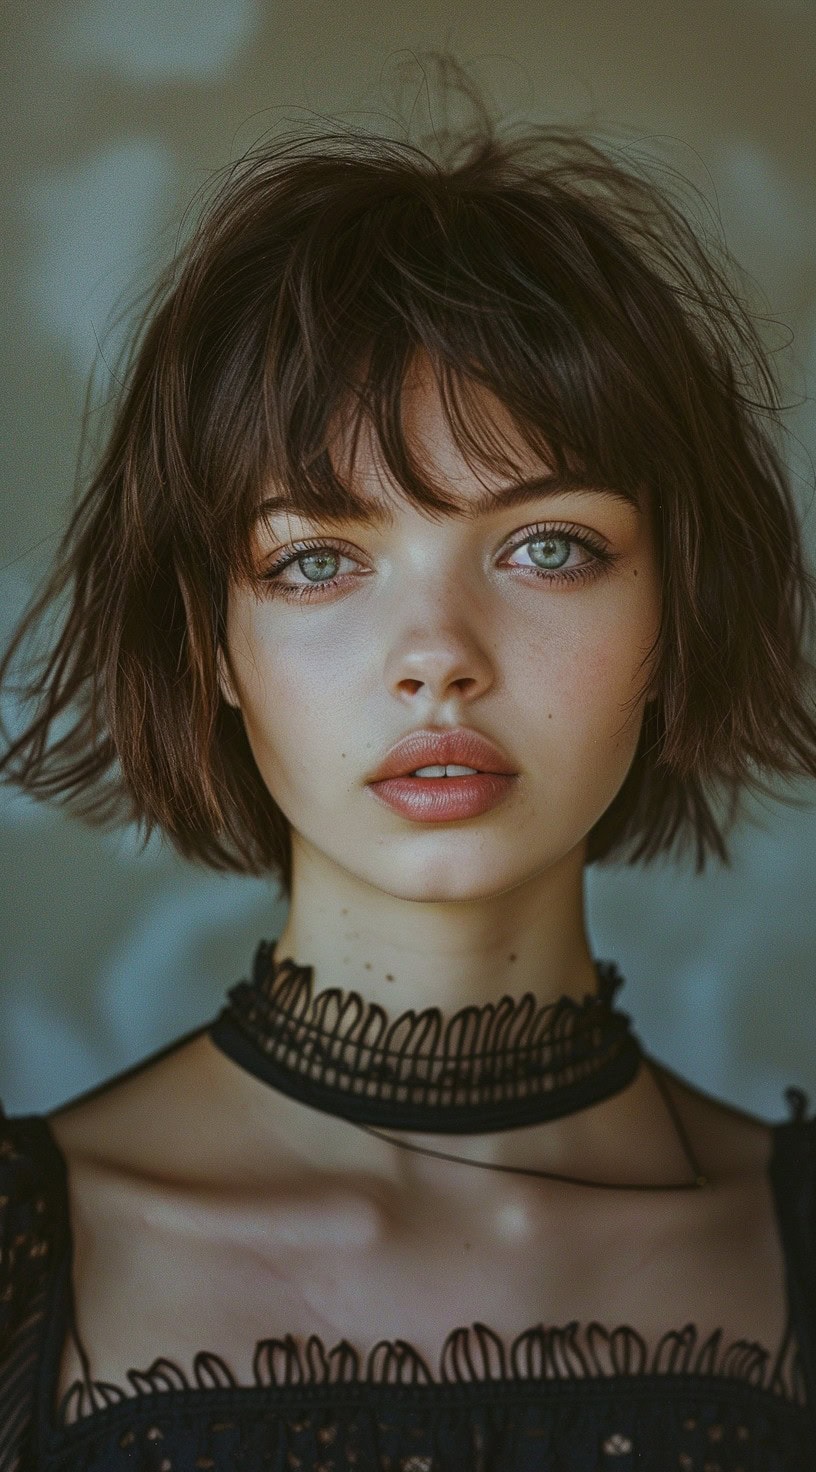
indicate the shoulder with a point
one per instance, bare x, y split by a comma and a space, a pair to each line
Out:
783, 1152
177, 1117
734, 1141
735, 1145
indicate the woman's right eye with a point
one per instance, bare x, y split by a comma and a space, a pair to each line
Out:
316, 554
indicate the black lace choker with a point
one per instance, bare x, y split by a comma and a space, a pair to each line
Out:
490, 1067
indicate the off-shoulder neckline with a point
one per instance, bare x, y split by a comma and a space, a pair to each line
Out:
319, 1369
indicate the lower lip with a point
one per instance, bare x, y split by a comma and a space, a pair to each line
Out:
440, 799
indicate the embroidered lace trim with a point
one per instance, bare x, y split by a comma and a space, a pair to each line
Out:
471, 1354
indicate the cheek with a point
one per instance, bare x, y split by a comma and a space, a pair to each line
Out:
587, 671
293, 691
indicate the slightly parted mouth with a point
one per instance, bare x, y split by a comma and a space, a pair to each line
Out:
460, 746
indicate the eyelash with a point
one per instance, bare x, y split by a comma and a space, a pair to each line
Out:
601, 561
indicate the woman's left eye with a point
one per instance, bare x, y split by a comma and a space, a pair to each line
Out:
549, 552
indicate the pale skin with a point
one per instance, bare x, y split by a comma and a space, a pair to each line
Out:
275, 1218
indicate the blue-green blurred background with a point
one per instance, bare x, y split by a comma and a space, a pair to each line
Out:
116, 113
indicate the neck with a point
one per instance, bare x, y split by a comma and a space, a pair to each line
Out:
414, 952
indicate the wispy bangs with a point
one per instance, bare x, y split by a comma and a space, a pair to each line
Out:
558, 275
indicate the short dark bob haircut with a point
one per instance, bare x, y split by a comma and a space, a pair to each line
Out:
530, 260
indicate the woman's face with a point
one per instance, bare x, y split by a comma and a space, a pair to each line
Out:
447, 623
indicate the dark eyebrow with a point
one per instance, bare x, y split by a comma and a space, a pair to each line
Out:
517, 494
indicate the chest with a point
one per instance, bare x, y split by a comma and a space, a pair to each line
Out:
164, 1273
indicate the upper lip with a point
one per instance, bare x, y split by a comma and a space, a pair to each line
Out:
428, 748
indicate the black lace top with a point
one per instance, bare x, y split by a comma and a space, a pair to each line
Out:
565, 1398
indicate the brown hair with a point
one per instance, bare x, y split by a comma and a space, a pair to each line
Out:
553, 271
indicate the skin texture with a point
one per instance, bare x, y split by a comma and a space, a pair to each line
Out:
229, 1212
445, 623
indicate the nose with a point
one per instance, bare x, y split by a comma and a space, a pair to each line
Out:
440, 663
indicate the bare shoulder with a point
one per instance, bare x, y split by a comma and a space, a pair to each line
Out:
177, 1116
731, 1141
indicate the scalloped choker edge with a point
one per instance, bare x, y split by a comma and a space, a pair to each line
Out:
489, 1067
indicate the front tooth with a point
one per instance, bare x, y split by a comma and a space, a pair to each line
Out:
449, 771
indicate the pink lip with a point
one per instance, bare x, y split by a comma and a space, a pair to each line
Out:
443, 799
427, 748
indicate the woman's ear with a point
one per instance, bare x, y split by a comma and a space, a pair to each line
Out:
225, 679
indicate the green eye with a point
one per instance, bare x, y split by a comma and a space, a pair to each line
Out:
550, 549
320, 558
550, 552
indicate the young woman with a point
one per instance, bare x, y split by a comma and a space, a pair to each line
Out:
441, 547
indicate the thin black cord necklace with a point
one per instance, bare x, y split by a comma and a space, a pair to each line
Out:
490, 1067
700, 1179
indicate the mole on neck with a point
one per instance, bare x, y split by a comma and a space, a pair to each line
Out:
445, 953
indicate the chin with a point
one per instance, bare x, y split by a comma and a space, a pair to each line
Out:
448, 880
